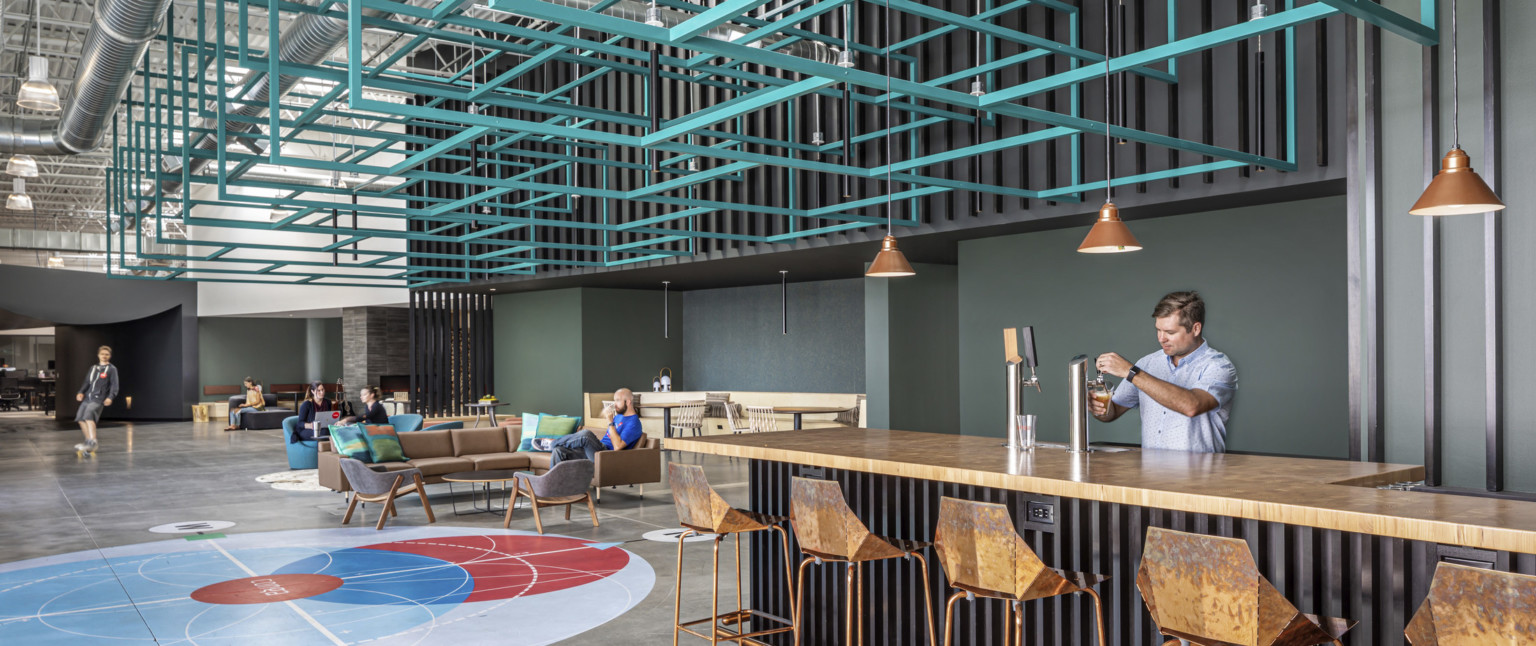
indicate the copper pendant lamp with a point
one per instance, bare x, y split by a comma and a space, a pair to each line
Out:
890, 262
1109, 234
1456, 189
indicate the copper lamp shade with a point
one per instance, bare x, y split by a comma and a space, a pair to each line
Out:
1109, 234
1456, 190
889, 263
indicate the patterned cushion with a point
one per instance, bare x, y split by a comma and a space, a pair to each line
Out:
384, 443
351, 441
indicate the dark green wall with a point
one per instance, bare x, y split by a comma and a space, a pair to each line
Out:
736, 340
269, 349
538, 351
622, 339
331, 360
912, 346
1273, 278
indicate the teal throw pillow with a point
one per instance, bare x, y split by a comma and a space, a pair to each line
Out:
351, 441
530, 430
384, 443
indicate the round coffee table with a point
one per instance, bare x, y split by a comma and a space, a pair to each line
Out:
483, 478
482, 409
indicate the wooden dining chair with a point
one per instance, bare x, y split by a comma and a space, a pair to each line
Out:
689, 416
1470, 606
983, 556
734, 419
828, 531
1207, 590
702, 511
761, 419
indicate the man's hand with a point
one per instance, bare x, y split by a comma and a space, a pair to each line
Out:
1111, 363
1098, 409
79, 397
107, 403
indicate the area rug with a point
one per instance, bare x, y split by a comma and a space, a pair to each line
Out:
295, 480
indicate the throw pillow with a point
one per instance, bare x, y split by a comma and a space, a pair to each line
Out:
351, 441
530, 430
384, 443
556, 425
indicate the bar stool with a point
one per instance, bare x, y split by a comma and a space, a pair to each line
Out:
984, 556
1468, 606
702, 511
1208, 591
829, 531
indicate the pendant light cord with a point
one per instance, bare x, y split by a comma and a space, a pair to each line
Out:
1109, 179
1455, 84
890, 159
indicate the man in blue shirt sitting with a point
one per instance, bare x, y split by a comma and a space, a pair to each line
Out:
623, 432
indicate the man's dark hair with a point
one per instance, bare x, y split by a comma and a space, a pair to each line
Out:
1187, 305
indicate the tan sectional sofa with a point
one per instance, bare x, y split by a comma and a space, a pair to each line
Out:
438, 453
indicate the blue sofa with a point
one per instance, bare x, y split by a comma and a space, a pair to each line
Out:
303, 454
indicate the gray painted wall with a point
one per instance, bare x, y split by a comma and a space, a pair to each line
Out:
734, 338
1273, 280
1461, 304
274, 350
538, 351
623, 344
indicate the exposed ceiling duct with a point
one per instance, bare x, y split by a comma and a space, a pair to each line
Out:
120, 33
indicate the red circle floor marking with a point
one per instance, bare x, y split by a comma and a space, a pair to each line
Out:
266, 589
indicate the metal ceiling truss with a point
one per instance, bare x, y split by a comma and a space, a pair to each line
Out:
404, 206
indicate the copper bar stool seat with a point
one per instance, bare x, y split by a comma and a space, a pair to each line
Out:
984, 556
1470, 606
702, 511
828, 531
1207, 590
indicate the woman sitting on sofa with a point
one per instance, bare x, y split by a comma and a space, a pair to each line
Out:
314, 402
253, 402
373, 411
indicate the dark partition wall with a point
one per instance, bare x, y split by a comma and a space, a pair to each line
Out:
148, 354
451, 353
737, 340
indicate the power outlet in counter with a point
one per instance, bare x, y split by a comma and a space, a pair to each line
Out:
1043, 513
1039, 513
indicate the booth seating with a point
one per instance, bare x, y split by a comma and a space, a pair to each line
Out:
257, 420
717, 422
441, 452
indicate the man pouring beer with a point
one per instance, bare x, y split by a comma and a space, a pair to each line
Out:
1184, 392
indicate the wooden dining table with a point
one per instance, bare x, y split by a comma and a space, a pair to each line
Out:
798, 411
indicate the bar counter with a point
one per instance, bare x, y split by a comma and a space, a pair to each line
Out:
1321, 530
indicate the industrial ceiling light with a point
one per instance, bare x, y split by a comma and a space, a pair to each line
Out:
22, 166
1109, 234
55, 261
653, 16
890, 262
1456, 189
37, 93
19, 200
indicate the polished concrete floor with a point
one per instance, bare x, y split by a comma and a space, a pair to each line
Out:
149, 474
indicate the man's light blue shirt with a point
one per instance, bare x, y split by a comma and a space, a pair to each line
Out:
1162, 428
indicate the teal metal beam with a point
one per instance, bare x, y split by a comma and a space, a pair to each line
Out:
723, 12
1376, 14
735, 108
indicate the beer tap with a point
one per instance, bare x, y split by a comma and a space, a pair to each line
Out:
1014, 381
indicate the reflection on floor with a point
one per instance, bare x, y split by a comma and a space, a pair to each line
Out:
78, 563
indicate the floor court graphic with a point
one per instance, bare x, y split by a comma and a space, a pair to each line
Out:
417, 585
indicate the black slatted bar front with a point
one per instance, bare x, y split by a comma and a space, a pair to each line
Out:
1377, 581
451, 351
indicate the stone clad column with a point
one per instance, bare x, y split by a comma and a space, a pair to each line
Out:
375, 342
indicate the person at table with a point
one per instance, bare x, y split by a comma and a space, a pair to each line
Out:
373, 408
314, 402
1184, 391
622, 432
254, 401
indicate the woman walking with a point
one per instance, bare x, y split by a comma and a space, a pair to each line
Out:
95, 394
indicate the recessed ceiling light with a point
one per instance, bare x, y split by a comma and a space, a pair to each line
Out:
493, 289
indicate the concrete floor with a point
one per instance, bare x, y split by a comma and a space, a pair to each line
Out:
148, 474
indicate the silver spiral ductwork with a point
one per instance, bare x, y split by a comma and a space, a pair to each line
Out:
632, 10
121, 31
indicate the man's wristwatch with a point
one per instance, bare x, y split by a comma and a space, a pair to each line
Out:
1132, 374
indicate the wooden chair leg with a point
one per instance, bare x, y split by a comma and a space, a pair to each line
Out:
537, 522
348, 518
592, 510
421, 491
517, 490
389, 502
568, 510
